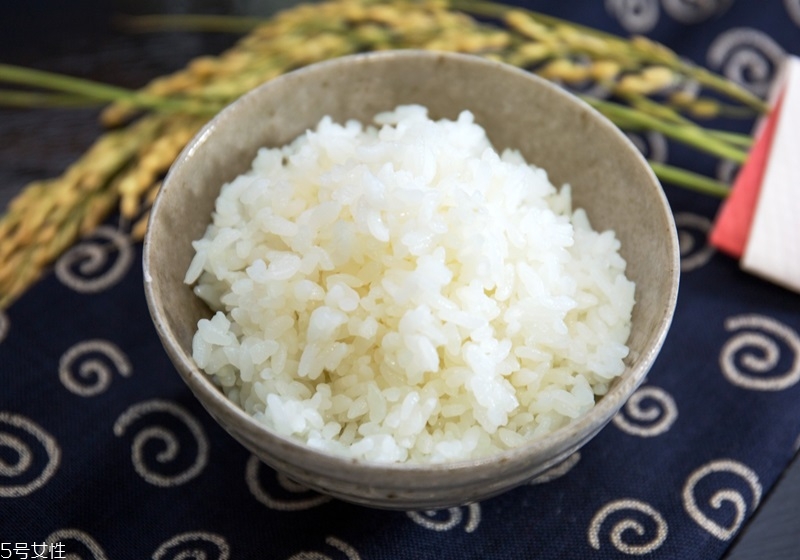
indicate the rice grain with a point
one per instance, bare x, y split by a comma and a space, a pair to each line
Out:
402, 292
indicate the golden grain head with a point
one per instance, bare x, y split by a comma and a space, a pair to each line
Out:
659, 77
353, 11
605, 70
97, 210
204, 66
564, 70
652, 50
129, 206
704, 108
523, 24
531, 53
682, 97
648, 82
140, 227
370, 33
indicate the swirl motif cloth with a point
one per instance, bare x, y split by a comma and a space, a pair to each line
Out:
105, 451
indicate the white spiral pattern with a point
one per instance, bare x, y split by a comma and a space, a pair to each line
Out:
629, 524
305, 499
636, 16
64, 536
349, 552
793, 9
653, 145
194, 545
433, 520
93, 375
15, 481
747, 56
727, 171
649, 412
750, 358
732, 497
168, 439
695, 11
558, 471
85, 268
693, 232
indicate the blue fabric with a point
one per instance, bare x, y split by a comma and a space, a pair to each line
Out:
69, 444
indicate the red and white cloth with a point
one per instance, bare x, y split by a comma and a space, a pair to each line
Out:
760, 221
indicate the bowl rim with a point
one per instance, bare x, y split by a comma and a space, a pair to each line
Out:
581, 428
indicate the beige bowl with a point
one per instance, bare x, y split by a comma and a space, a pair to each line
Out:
551, 128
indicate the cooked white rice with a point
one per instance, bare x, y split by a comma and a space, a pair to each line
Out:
401, 292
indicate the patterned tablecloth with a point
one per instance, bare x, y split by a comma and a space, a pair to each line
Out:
105, 452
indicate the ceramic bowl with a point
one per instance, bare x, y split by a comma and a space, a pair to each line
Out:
552, 129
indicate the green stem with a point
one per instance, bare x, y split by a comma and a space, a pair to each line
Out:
723, 85
98, 91
36, 100
657, 110
687, 179
669, 114
736, 111
694, 136
742, 140
188, 22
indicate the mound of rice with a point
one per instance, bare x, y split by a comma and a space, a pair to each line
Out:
402, 292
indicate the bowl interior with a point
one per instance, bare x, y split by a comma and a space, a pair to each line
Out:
552, 129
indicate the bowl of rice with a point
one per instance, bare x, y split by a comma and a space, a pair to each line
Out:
411, 280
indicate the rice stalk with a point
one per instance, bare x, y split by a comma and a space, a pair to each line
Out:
100, 92
35, 100
122, 171
638, 50
47, 217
